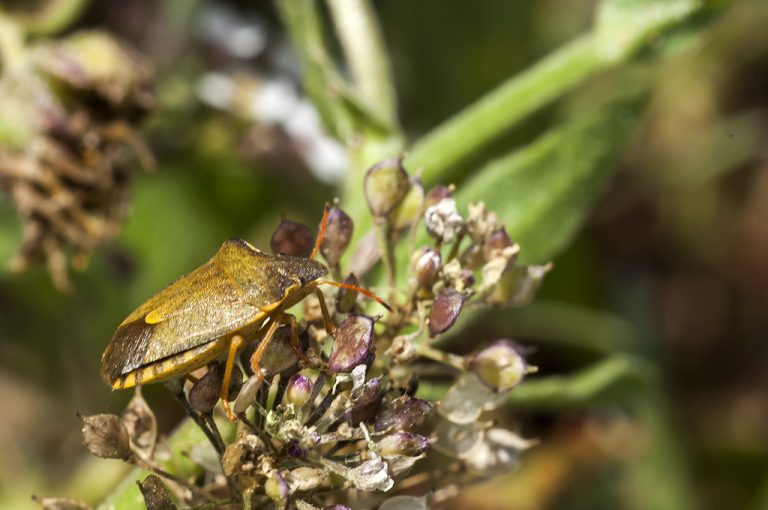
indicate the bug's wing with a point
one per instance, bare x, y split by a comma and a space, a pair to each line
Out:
195, 309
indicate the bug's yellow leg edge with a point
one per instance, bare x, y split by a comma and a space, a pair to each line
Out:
330, 327
277, 319
235, 344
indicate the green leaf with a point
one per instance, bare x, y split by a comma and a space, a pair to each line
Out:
544, 191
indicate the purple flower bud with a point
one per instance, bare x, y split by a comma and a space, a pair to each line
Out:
445, 310
402, 413
385, 185
436, 194
425, 267
495, 242
106, 436
338, 233
291, 238
347, 298
352, 343
299, 390
336, 507
365, 402
403, 443
277, 489
499, 365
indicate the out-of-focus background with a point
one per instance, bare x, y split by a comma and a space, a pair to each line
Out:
671, 267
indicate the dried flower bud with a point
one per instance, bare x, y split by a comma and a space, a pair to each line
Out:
499, 365
291, 238
403, 443
277, 489
443, 220
365, 402
496, 242
204, 394
353, 341
410, 209
347, 298
306, 478
106, 436
298, 391
371, 475
241, 455
338, 233
402, 413
385, 185
425, 267
445, 310
155, 494
436, 194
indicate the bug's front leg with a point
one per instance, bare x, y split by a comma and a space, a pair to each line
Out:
330, 328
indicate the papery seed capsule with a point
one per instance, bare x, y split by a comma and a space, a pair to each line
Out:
403, 443
365, 401
402, 413
385, 185
347, 298
425, 267
445, 310
443, 221
338, 233
496, 242
410, 209
354, 338
500, 365
299, 390
277, 489
291, 238
106, 436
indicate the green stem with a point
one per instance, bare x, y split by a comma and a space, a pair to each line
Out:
492, 115
365, 52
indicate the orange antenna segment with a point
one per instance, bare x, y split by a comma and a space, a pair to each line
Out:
361, 290
321, 233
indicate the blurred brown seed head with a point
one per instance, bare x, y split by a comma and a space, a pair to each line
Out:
352, 343
292, 238
106, 436
338, 233
445, 310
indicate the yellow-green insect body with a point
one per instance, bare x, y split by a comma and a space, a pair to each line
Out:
190, 323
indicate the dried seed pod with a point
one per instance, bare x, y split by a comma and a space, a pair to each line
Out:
298, 390
365, 401
291, 238
445, 310
403, 443
443, 221
204, 394
354, 338
338, 233
500, 365
247, 394
277, 489
517, 285
411, 208
425, 267
278, 358
141, 424
346, 299
402, 413
155, 494
372, 475
106, 436
495, 243
385, 185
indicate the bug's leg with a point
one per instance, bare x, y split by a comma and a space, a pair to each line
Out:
277, 320
235, 344
294, 341
330, 328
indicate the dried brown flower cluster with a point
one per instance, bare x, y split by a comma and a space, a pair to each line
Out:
68, 109
350, 423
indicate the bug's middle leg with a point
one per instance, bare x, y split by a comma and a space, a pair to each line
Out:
235, 344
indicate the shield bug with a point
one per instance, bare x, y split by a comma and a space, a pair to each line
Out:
239, 295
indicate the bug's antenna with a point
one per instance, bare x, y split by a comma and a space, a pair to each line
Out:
364, 292
321, 232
